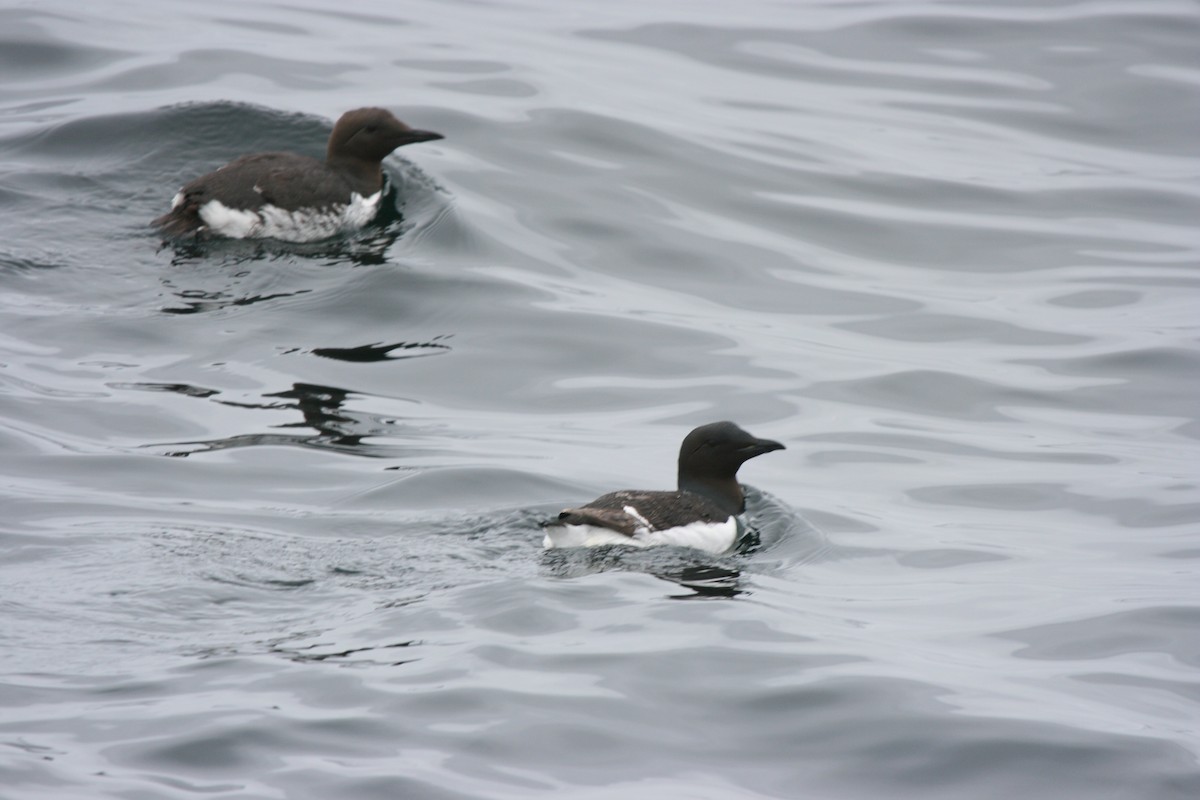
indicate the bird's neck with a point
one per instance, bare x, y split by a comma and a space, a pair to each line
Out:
366, 177
725, 492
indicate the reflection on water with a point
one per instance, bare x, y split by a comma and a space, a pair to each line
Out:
197, 301
699, 577
323, 409
378, 351
312, 653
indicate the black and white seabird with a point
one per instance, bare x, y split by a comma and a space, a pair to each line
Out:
292, 197
701, 514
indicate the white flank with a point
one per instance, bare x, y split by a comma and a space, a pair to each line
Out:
362, 209
586, 536
304, 225
712, 537
231, 222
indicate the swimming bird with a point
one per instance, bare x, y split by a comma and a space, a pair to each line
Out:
702, 513
292, 197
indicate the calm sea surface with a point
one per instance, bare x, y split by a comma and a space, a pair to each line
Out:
268, 513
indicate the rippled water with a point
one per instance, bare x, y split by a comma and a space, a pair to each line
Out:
270, 511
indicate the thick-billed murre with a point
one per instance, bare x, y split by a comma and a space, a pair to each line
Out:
702, 513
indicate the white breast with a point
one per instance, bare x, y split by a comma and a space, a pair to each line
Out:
302, 225
712, 537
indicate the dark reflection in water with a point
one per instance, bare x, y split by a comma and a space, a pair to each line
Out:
384, 352
322, 407
174, 388
704, 575
707, 581
197, 301
312, 653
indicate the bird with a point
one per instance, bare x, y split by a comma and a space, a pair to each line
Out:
292, 197
702, 513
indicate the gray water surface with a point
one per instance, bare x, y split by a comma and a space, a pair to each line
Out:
270, 512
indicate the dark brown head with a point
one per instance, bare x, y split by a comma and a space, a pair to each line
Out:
362, 138
709, 459
370, 134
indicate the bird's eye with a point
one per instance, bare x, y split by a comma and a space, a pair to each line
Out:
372, 128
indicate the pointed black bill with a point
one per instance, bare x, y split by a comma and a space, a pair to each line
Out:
760, 446
414, 136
